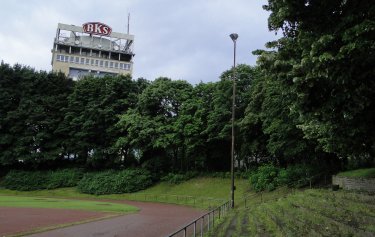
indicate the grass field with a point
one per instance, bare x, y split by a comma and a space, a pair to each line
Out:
41, 202
315, 212
203, 192
359, 173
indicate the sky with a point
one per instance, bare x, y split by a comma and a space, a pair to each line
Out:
185, 39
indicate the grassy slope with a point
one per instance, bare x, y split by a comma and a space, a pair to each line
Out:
19, 201
315, 212
360, 173
201, 187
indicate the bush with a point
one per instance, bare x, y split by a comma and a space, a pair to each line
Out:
25, 180
265, 178
268, 177
64, 178
111, 182
36, 180
295, 175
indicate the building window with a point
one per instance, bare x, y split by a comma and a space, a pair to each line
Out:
111, 64
92, 62
106, 64
66, 59
72, 59
101, 63
82, 60
116, 65
60, 57
87, 61
77, 59
96, 62
121, 66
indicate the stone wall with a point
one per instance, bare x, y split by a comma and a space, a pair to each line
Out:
362, 184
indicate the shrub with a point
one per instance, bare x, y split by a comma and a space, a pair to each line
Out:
25, 180
295, 175
36, 180
64, 178
110, 182
265, 178
268, 177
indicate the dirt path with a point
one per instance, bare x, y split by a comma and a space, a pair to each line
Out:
153, 220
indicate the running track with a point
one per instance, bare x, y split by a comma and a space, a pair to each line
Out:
153, 220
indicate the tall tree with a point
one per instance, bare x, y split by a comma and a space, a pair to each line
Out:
94, 107
327, 58
31, 111
151, 129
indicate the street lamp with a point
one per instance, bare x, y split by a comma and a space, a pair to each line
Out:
234, 37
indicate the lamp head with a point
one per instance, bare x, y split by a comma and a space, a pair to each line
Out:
233, 36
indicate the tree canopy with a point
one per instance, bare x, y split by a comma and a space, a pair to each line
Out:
309, 99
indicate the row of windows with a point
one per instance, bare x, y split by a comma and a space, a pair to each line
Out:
93, 62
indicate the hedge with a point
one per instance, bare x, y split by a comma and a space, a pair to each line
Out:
111, 182
36, 180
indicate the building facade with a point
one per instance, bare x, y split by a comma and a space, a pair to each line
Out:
91, 49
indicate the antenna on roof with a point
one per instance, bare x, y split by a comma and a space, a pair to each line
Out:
128, 22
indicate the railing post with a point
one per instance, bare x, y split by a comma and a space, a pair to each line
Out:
185, 232
195, 228
208, 221
213, 219
202, 226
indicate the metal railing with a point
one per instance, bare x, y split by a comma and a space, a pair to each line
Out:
203, 224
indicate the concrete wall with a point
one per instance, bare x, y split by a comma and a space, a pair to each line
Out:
362, 184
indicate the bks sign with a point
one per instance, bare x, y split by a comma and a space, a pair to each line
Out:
96, 28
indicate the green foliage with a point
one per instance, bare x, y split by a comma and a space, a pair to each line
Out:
110, 182
36, 180
268, 177
31, 108
25, 180
295, 175
64, 178
325, 62
265, 178
310, 99
93, 110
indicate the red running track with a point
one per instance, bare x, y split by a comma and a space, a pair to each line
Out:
153, 220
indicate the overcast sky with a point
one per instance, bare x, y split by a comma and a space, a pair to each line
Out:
180, 39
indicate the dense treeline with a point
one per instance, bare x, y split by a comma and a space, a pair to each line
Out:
309, 100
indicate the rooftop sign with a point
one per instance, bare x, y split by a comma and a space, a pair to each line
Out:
96, 28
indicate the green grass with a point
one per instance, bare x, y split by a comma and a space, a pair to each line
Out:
360, 173
201, 187
41, 202
312, 212
198, 192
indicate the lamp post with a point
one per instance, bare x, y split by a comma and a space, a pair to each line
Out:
234, 37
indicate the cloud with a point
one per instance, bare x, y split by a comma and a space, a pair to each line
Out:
179, 39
